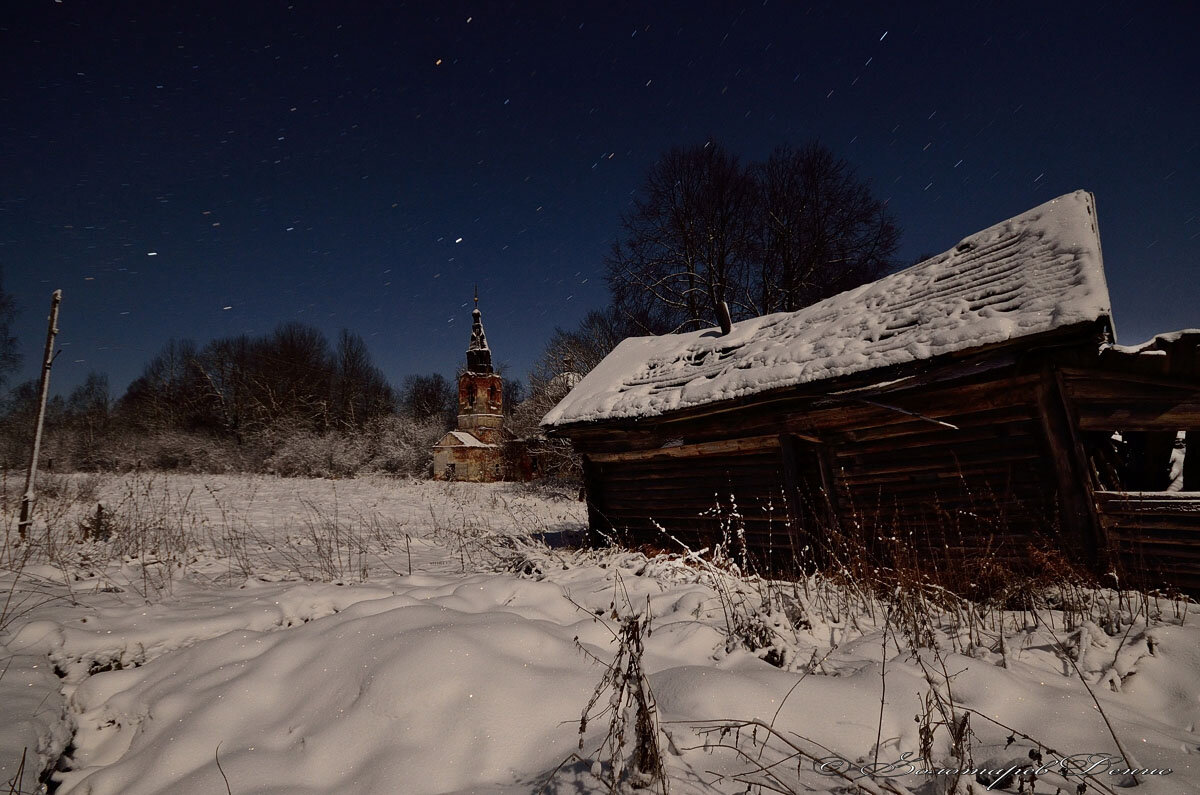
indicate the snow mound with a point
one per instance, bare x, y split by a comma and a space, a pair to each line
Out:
1034, 273
390, 696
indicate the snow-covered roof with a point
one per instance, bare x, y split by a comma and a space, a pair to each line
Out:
1156, 343
1037, 272
463, 438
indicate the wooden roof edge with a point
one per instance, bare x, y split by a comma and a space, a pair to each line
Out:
959, 365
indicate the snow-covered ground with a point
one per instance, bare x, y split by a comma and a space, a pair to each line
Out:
245, 634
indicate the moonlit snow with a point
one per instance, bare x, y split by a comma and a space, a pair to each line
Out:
471, 673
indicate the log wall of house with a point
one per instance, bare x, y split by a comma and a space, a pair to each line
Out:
886, 472
698, 500
1059, 449
1155, 537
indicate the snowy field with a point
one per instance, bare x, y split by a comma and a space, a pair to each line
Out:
206, 634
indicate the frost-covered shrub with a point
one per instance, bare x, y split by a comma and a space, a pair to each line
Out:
404, 446
328, 455
396, 445
182, 451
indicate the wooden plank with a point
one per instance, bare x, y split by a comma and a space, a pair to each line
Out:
907, 427
691, 470
754, 443
677, 515
1164, 497
829, 486
767, 484
969, 451
982, 509
694, 463
1157, 534
996, 392
1106, 390
698, 493
986, 475
1077, 379
721, 477
984, 504
1151, 417
961, 515
948, 467
744, 462
1182, 529
1182, 503
1164, 556
1016, 431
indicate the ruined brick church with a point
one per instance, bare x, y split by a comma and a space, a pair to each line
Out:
474, 450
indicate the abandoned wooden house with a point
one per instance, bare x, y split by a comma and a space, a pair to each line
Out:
973, 407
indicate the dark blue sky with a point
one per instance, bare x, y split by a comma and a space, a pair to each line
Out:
208, 172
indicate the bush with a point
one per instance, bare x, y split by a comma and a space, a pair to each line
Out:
185, 452
327, 455
396, 445
404, 446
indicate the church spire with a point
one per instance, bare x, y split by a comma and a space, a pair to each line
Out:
479, 356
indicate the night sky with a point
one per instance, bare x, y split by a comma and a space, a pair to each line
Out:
216, 171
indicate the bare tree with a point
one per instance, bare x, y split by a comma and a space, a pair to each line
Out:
580, 349
426, 397
223, 383
776, 236
163, 396
361, 392
291, 376
86, 418
17, 415
819, 229
684, 247
240, 386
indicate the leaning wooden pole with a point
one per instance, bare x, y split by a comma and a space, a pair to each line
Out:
43, 389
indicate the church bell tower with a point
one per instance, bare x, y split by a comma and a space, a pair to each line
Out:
474, 450
480, 390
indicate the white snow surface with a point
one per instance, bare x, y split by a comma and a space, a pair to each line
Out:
1037, 272
470, 673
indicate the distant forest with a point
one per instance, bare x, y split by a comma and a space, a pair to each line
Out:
288, 402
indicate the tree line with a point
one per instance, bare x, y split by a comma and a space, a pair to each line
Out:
287, 401
288, 380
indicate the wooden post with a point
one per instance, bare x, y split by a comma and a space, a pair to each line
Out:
598, 526
43, 389
1077, 505
812, 506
